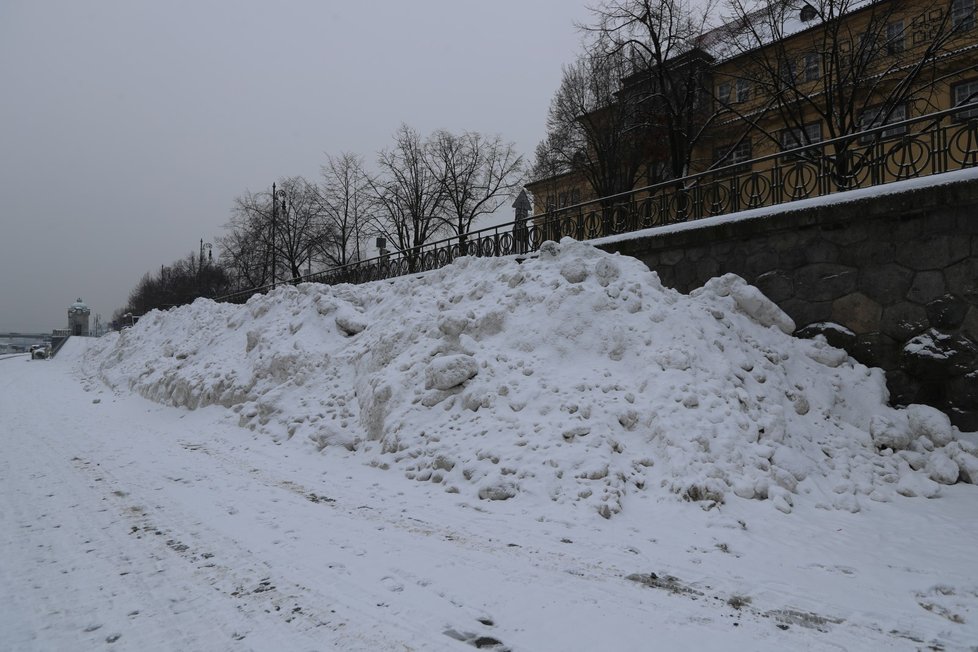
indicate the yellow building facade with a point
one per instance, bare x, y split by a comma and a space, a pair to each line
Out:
791, 75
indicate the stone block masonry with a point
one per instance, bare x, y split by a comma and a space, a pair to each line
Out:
892, 278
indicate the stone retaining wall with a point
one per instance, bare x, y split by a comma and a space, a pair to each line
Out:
897, 272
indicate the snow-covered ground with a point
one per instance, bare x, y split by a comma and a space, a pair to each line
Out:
558, 454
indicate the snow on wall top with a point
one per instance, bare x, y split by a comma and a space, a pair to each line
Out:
575, 377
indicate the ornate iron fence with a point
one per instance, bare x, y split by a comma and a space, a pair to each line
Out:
932, 144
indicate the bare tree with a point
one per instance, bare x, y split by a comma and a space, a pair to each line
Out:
265, 239
841, 65
245, 247
669, 78
300, 229
147, 295
409, 196
477, 174
548, 164
346, 207
592, 130
179, 283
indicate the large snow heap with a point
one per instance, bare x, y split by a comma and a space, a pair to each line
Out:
574, 375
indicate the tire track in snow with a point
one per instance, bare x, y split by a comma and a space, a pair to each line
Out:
45, 506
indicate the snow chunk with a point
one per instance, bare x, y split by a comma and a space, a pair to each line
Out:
767, 313
821, 351
926, 421
917, 485
503, 491
453, 325
890, 431
606, 272
967, 463
751, 301
449, 371
350, 322
549, 249
575, 271
941, 468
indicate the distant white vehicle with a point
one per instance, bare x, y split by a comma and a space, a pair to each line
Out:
38, 352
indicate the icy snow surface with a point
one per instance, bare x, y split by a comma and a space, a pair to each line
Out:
574, 376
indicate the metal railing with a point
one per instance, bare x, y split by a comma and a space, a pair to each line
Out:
933, 144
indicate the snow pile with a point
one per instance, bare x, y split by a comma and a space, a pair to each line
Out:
575, 375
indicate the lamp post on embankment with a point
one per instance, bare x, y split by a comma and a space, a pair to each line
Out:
276, 194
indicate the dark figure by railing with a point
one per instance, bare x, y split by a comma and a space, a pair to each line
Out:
521, 234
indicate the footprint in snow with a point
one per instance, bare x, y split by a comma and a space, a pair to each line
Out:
480, 641
392, 584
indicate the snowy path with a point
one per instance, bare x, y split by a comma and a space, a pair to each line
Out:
125, 525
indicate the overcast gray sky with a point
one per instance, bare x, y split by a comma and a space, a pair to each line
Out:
127, 127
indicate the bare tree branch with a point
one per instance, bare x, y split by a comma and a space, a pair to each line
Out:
477, 174
409, 196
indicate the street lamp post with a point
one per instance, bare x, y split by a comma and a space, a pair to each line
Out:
207, 246
275, 197
200, 263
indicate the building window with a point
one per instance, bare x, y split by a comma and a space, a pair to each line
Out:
575, 196
813, 69
868, 48
801, 136
743, 90
963, 14
895, 41
723, 94
563, 199
965, 93
551, 203
876, 117
734, 154
787, 72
